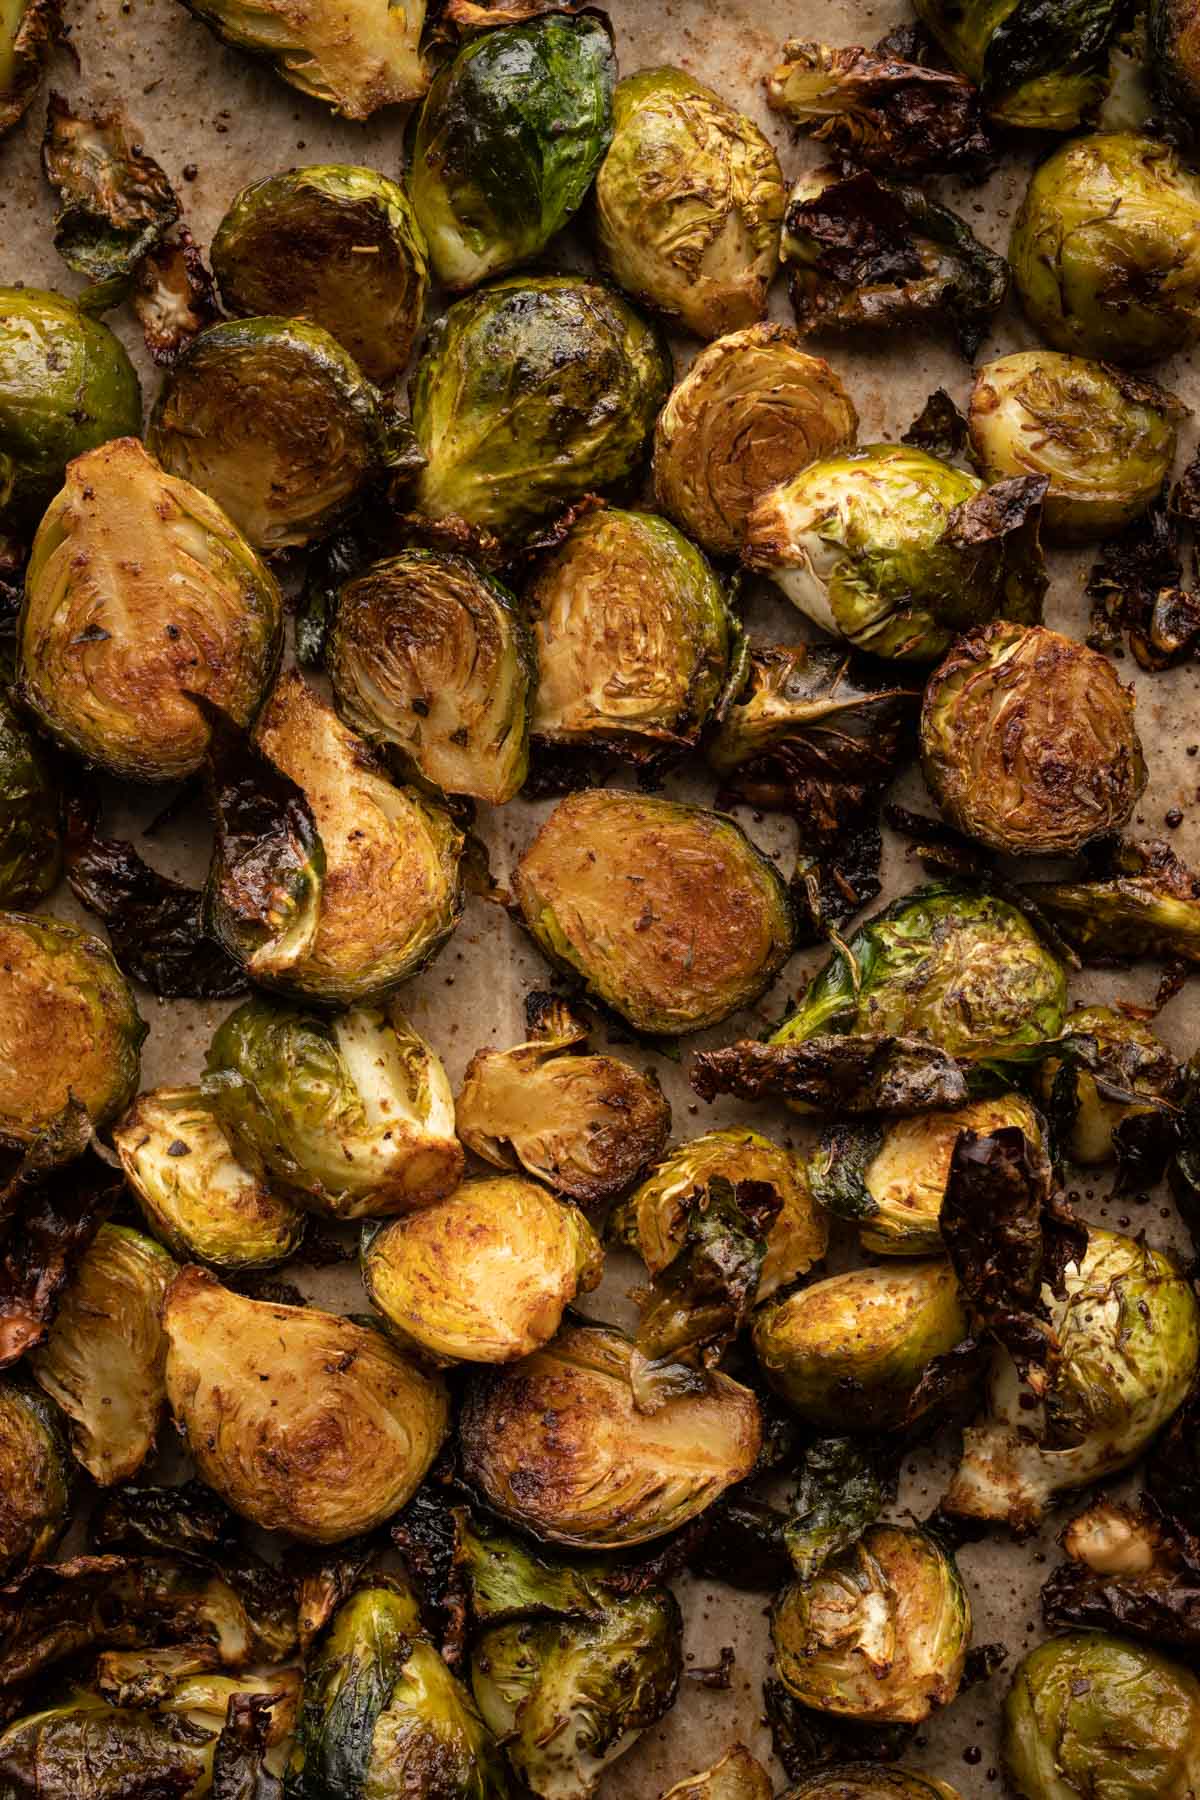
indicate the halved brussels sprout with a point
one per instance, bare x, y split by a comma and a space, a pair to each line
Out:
355, 55
1028, 741
337, 243
556, 1444
737, 1776
30, 844
1105, 439
301, 1421
139, 592
1041, 66
689, 203
752, 409
508, 140
66, 385
35, 1478
870, 1781
529, 395
28, 32
69, 1027
668, 913
633, 636
1100, 1122
432, 658
1174, 58
1106, 249
353, 1114
115, 204
197, 1196
86, 1749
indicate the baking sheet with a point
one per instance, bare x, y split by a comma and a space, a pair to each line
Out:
216, 122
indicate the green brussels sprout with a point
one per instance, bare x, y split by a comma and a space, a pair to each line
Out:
1028, 741
737, 1776
689, 203
69, 1027
139, 592
337, 243
751, 410
633, 636
556, 1445
1105, 439
115, 203
301, 1421
509, 137
668, 913
432, 658
881, 547
870, 1781
1100, 1108
29, 30
1106, 249
529, 395
30, 844
1039, 64
196, 1194
1174, 59
1142, 900
35, 1489
353, 1114
66, 385
1090, 1715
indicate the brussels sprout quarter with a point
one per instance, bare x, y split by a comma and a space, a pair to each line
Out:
300, 1421
355, 55
668, 913
1028, 741
140, 590
30, 848
35, 1478
871, 1781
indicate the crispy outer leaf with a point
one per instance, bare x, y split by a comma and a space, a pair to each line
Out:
1127, 1073
1142, 900
239, 1769
840, 1073
1173, 1466
1009, 513
744, 1544
187, 1518
1135, 586
115, 203
173, 296
842, 1490
941, 430
45, 1233
1129, 1569
1051, 38
804, 1739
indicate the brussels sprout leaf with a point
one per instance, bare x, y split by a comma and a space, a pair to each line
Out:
1173, 1468
804, 1739
841, 1491
1143, 901
239, 1769
847, 1073
49, 1214
941, 430
28, 33
188, 1518
332, 563
115, 203
173, 296
1130, 1569
744, 1545
1130, 1074
1009, 512
1134, 587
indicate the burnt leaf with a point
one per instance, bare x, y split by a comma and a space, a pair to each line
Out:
1135, 588
744, 1545
940, 429
838, 860
1173, 1466
323, 1579
1129, 1569
188, 1518
846, 1073
1142, 900
173, 297
1142, 1078
239, 1770
948, 1390
804, 1739
332, 563
1044, 38
50, 1218
426, 1534
842, 1490
1008, 513
115, 203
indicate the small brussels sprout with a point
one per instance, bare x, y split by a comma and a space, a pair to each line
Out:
69, 1027
196, 1194
337, 243
301, 1421
1106, 249
1099, 1107
668, 913
528, 396
432, 658
139, 592
1105, 439
737, 1776
172, 295
66, 385
115, 204
1128, 1568
1088, 1714
29, 31
1028, 741
1044, 67
35, 1478
30, 845
509, 137
1174, 59
353, 1114
556, 1444
689, 203
870, 1781
354, 55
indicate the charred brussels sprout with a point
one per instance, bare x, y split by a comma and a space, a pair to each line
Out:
93, 1751
337, 243
1141, 901
140, 591
115, 205
35, 1492
1174, 58
689, 203
1103, 1111
508, 140
301, 1421
1106, 249
668, 913
432, 658
30, 845
738, 1776
529, 395
870, 1781
1039, 64
28, 32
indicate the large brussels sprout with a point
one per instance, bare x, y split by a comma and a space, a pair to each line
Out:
529, 395
66, 385
353, 1113
737, 1776
1175, 58
337, 243
301, 1421
28, 32
35, 1478
508, 140
30, 846
870, 1781
752, 409
556, 1444
1104, 1108
432, 658
668, 913
1040, 64
139, 592
1106, 249
355, 55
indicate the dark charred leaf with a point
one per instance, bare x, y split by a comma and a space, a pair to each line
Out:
28, 52
66, 1138
239, 1761
1142, 901
44, 1235
1130, 1569
189, 1518
940, 429
1009, 513
427, 1534
842, 1490
1184, 502
338, 560
1185, 1164
805, 1740
115, 203
719, 1675
1173, 1466
1052, 38
948, 1391
941, 848
983, 1661
1135, 587
1130, 1074
744, 1545
837, 1073
659, 1562
173, 297
838, 862
323, 1579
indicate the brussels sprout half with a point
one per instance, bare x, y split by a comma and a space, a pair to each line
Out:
737, 1776
35, 1478
870, 1781
30, 844
29, 30
1039, 64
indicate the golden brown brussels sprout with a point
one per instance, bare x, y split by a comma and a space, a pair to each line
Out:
355, 55
737, 1776
301, 1421
1039, 64
556, 1445
1028, 741
667, 912
870, 1781
28, 32
689, 202
115, 205
30, 846
35, 1478
139, 591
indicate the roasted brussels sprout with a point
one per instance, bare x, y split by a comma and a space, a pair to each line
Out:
66, 385
197, 1196
139, 592
30, 845
1141, 901
28, 33
870, 1781
90, 1750
737, 1776
115, 205
1129, 1568
1095, 1105
529, 395
508, 140
1171, 40
353, 1114
1040, 66
355, 55
35, 1493
667, 912
1028, 741
752, 409
432, 658
1106, 249
301, 1421
337, 243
